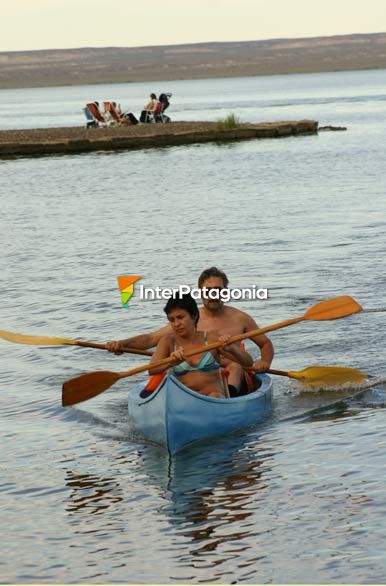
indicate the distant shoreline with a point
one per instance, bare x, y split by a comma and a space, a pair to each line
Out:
107, 82
110, 65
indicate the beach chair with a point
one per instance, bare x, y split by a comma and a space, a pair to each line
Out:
91, 122
97, 115
111, 113
146, 117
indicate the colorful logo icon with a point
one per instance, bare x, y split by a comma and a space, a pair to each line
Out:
126, 287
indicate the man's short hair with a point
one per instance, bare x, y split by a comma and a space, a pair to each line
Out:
213, 272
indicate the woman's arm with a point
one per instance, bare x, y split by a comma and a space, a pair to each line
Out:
164, 350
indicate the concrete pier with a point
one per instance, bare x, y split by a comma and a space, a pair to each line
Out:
47, 141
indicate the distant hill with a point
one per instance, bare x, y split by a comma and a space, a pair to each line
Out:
129, 64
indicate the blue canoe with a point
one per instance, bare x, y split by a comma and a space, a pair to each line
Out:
175, 416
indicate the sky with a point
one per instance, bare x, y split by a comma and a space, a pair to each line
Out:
50, 24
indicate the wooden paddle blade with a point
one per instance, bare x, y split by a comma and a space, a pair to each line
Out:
85, 386
328, 375
37, 340
333, 308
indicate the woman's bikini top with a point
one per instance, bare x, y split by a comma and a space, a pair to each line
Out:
206, 364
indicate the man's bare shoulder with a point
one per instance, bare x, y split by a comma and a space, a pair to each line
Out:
235, 312
244, 320
229, 320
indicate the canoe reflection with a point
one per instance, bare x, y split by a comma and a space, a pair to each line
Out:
210, 489
91, 492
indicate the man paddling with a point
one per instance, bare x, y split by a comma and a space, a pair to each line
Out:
214, 315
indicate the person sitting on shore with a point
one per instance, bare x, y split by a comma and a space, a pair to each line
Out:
148, 111
118, 108
162, 105
202, 372
129, 118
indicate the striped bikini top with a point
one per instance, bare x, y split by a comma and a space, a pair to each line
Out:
206, 364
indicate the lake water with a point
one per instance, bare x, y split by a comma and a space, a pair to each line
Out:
299, 499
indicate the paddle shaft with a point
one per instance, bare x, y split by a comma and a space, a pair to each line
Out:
278, 372
212, 346
103, 347
269, 371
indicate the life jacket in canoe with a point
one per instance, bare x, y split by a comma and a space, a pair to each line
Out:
154, 381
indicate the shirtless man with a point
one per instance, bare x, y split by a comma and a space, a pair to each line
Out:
214, 315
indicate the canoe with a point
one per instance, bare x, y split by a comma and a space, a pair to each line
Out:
174, 416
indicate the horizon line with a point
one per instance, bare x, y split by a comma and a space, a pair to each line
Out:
179, 44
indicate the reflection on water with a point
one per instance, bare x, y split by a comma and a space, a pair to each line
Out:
88, 491
209, 487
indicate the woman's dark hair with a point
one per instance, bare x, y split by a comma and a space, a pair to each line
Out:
213, 272
184, 301
153, 96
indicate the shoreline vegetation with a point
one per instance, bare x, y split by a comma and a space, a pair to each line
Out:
85, 66
229, 122
44, 141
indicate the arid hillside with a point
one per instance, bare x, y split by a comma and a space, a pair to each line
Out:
125, 64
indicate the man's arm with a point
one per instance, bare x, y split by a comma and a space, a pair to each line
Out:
143, 341
263, 342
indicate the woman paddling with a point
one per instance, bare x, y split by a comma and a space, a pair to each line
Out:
202, 373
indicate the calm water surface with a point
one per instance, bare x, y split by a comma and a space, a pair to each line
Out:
301, 498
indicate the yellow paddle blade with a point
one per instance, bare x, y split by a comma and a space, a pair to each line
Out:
37, 340
328, 375
333, 308
54, 341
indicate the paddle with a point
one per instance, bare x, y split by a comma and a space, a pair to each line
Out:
319, 376
89, 385
312, 375
49, 341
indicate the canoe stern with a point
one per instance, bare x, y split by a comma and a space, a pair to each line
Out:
192, 417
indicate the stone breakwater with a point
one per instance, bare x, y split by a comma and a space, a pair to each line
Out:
80, 139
